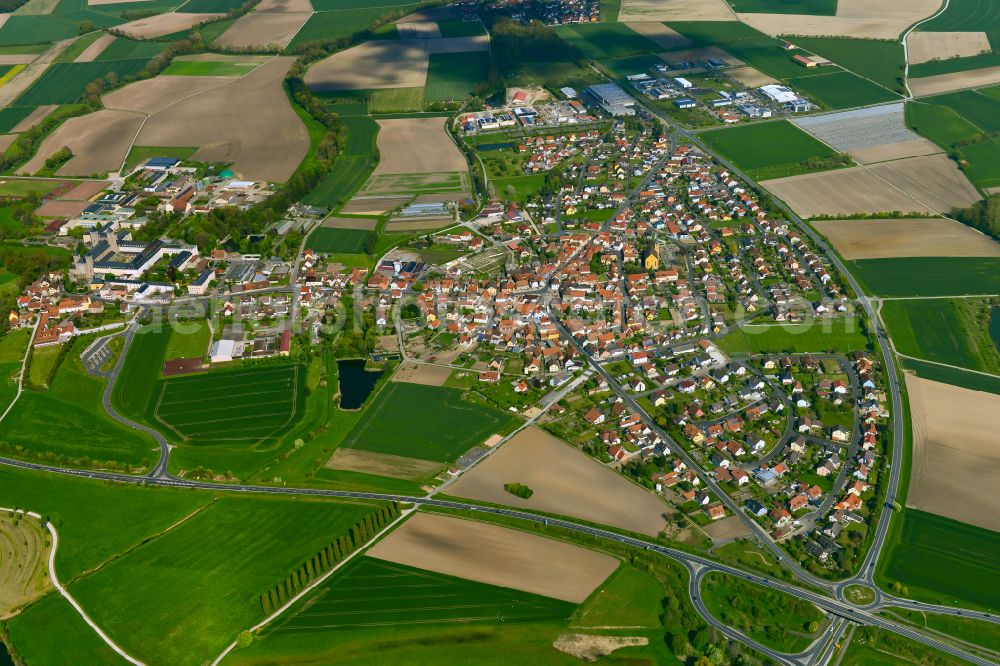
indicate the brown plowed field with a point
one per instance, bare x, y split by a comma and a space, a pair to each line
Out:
417, 145
421, 373
35, 117
879, 239
658, 33
675, 10
382, 464
263, 29
955, 452
974, 78
372, 205
497, 556
842, 192
151, 95
163, 24
895, 151
350, 223
750, 77
565, 481
372, 65
249, 122
96, 48
60, 208
926, 46
934, 180
99, 142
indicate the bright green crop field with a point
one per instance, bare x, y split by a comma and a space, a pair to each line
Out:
769, 149
329, 239
841, 90
64, 83
202, 579
839, 335
947, 331
600, 41
928, 276
455, 75
880, 61
940, 124
945, 561
425, 422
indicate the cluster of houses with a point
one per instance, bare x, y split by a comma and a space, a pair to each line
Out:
44, 303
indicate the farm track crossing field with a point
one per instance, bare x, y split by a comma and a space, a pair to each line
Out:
371, 592
944, 560
425, 422
212, 568
767, 149
235, 405
928, 276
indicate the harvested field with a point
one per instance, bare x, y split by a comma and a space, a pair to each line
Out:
496, 555
638, 11
421, 373
861, 128
727, 529
381, 464
895, 151
152, 27
261, 133
60, 208
151, 95
934, 180
373, 205
17, 58
416, 145
99, 142
263, 29
954, 440
842, 192
589, 647
750, 77
418, 30
565, 481
283, 6
23, 558
6, 140
974, 78
927, 46
419, 224
350, 223
879, 239
35, 117
886, 20
658, 33
435, 197
96, 48
372, 65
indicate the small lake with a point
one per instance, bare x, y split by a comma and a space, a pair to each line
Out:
356, 384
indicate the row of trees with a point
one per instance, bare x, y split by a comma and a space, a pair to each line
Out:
983, 215
325, 559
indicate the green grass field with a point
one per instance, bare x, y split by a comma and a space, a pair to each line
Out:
983, 159
945, 561
188, 339
928, 276
31, 637
629, 598
209, 6
73, 51
12, 348
766, 149
814, 7
370, 592
135, 387
350, 172
455, 75
946, 331
984, 634
43, 365
773, 618
601, 41
964, 16
21, 187
129, 49
880, 61
841, 90
951, 65
204, 68
425, 422
958, 377
982, 110
12, 115
346, 241
328, 25
44, 29
740, 40
249, 405
839, 335
64, 83
457, 28
203, 578
940, 124
342, 5
46, 425
396, 100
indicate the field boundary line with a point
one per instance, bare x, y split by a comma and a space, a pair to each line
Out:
65, 593
906, 53
946, 365
20, 373
316, 583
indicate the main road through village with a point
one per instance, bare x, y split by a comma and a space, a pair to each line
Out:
831, 599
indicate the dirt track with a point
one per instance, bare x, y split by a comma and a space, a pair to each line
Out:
99, 142
925, 46
497, 556
417, 145
876, 239
955, 453
565, 481
249, 122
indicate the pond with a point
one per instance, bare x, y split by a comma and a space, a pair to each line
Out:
356, 384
